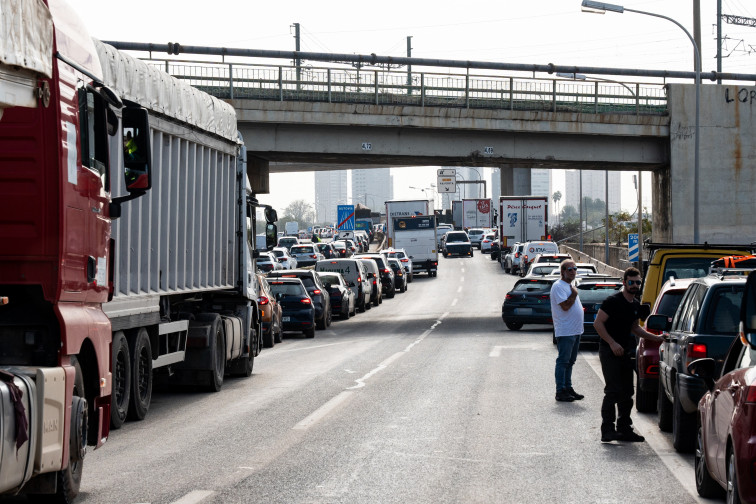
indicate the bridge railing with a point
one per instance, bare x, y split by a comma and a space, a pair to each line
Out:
424, 89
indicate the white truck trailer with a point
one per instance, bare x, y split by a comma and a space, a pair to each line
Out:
522, 218
476, 213
403, 208
184, 302
417, 236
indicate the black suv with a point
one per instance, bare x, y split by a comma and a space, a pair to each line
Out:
387, 274
704, 325
315, 288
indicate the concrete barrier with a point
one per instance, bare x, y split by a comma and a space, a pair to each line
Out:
585, 258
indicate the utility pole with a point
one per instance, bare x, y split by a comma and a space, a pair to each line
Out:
697, 29
719, 39
409, 67
297, 47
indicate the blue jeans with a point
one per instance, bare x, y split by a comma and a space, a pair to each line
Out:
567, 346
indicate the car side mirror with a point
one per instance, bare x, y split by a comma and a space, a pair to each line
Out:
658, 322
704, 369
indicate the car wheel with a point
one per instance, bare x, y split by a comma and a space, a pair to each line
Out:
645, 400
513, 326
361, 306
705, 484
733, 493
268, 339
321, 324
329, 320
278, 335
683, 425
309, 333
664, 407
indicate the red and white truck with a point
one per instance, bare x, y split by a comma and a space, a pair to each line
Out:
125, 244
476, 213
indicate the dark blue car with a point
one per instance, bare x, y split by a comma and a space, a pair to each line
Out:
297, 309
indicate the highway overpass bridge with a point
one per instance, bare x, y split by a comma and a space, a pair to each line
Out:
305, 118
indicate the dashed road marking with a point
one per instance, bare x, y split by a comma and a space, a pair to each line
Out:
194, 497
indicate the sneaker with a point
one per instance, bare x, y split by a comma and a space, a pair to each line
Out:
630, 436
608, 437
574, 394
564, 396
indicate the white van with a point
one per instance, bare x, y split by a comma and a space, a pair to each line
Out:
532, 249
355, 275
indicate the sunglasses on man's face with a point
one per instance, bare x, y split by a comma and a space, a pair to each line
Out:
634, 282
571, 269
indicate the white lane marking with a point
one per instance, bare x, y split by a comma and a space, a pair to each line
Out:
496, 351
680, 467
321, 412
194, 497
462, 269
454, 302
309, 347
459, 289
461, 279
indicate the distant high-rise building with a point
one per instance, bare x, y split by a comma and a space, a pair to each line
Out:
372, 187
594, 187
330, 191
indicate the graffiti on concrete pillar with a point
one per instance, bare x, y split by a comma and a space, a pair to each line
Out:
680, 132
743, 95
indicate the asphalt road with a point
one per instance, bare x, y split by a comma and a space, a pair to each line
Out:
427, 398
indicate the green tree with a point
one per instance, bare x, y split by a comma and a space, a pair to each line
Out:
557, 196
300, 211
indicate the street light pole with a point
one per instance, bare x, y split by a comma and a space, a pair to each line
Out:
600, 8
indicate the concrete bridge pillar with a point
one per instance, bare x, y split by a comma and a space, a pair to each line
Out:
258, 171
514, 181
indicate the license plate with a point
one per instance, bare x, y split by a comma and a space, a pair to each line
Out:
523, 311
285, 319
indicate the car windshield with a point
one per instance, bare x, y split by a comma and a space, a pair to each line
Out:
595, 293
686, 267
532, 286
301, 250
456, 237
286, 289
474, 232
669, 302
330, 279
543, 270
264, 258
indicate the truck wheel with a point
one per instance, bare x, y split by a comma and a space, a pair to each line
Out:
683, 426
141, 375
664, 407
217, 357
121, 369
645, 400
69, 478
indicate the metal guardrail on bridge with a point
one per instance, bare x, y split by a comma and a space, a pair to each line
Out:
424, 89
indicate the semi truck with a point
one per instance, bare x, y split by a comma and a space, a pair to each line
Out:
522, 218
416, 234
457, 215
476, 213
126, 244
403, 208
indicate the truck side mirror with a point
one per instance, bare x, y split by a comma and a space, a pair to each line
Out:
271, 235
137, 153
271, 215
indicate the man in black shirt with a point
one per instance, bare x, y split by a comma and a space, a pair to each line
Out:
617, 323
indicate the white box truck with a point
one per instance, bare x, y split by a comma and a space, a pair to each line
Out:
476, 213
403, 208
417, 236
522, 218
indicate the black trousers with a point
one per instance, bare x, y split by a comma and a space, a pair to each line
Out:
618, 391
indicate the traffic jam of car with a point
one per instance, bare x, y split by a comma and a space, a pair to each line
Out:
701, 380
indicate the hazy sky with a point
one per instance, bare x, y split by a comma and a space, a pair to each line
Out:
541, 32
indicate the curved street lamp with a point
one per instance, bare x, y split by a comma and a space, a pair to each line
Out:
601, 8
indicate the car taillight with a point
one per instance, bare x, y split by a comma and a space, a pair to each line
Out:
386, 271
375, 283
695, 351
546, 296
404, 260
517, 254
359, 279
317, 291
751, 394
314, 256
509, 296
306, 301
263, 300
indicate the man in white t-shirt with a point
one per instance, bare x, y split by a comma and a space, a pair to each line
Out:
567, 313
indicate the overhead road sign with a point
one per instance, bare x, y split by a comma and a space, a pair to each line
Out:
345, 214
447, 180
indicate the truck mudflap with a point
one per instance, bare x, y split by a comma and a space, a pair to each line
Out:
18, 418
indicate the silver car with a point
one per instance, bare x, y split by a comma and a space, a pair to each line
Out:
403, 258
